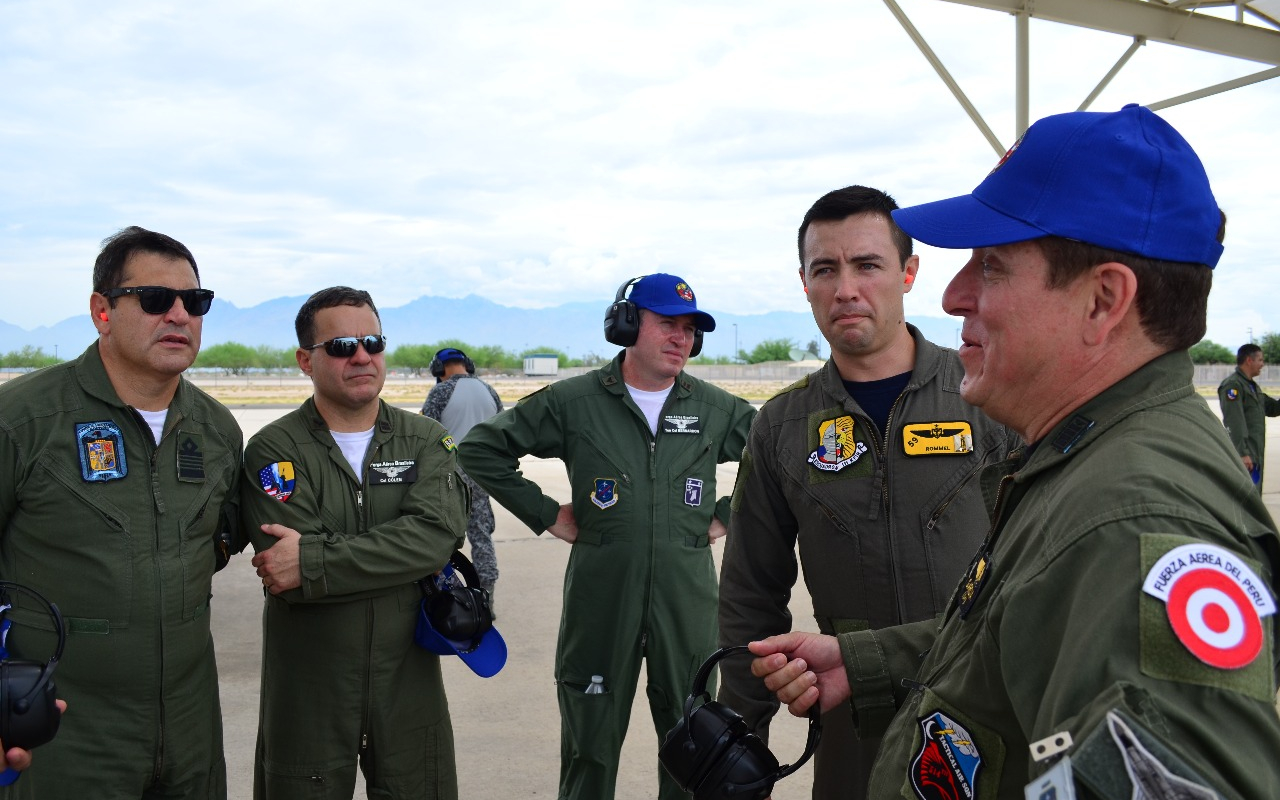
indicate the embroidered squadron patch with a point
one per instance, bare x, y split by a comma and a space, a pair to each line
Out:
606, 493
277, 480
947, 766
1215, 603
1233, 394
837, 448
448, 443
101, 448
937, 438
678, 423
385, 472
693, 491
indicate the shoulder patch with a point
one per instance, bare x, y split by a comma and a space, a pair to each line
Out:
1232, 393
448, 443
277, 480
1203, 616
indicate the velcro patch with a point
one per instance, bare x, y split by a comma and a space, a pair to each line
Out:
448, 443
277, 479
385, 472
101, 446
190, 457
937, 438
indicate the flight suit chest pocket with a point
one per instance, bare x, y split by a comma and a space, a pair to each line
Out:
604, 503
691, 490
78, 535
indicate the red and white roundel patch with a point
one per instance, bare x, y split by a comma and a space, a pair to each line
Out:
1215, 603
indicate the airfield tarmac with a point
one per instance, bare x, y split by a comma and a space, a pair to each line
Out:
506, 728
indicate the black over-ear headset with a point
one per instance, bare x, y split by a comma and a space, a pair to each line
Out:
622, 322
459, 613
712, 753
29, 715
437, 366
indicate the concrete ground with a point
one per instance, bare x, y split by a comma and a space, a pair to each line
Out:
506, 727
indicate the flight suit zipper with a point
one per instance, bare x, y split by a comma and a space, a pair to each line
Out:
158, 508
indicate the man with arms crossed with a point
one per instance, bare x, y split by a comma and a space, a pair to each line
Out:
640, 439
350, 501
117, 503
870, 463
1117, 625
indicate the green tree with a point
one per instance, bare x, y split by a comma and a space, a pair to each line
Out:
1270, 344
274, 358
1207, 352
769, 350
232, 357
28, 356
416, 357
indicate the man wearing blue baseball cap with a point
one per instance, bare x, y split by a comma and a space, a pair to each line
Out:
641, 439
1115, 634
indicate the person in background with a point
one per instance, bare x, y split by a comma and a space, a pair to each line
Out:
1245, 409
459, 401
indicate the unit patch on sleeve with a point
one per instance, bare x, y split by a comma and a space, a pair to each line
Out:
277, 480
836, 446
448, 443
1214, 601
680, 423
606, 493
947, 766
1233, 394
101, 448
384, 472
937, 438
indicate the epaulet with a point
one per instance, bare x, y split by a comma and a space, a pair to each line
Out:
534, 393
800, 384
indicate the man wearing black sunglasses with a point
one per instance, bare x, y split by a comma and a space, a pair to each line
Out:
118, 480
349, 502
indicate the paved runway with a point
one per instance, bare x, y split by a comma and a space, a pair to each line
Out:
506, 727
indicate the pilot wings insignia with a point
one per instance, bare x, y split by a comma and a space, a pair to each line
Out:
681, 423
937, 438
383, 472
392, 471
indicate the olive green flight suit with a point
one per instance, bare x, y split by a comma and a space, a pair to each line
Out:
118, 531
641, 583
1245, 409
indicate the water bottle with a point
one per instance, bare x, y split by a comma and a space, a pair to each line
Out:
596, 686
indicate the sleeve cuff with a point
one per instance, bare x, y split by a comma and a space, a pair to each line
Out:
870, 684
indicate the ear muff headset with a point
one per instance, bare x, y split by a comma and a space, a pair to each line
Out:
29, 715
460, 613
712, 754
437, 366
622, 322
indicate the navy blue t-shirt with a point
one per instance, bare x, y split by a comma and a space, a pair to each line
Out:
877, 397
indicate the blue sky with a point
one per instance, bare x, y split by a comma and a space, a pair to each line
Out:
542, 152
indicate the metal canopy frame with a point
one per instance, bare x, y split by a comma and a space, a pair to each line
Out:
1170, 22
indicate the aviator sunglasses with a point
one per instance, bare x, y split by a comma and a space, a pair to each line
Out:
159, 299
345, 346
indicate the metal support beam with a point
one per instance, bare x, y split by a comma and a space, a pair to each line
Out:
1138, 41
1157, 23
1219, 88
1022, 51
938, 67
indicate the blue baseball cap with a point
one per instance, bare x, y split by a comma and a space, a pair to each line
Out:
1124, 180
450, 354
669, 296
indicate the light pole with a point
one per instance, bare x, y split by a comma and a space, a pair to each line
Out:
735, 342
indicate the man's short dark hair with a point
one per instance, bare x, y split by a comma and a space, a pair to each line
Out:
1172, 298
1246, 352
851, 200
305, 323
118, 248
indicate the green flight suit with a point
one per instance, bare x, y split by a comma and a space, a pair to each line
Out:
342, 680
1064, 622
118, 531
1245, 409
885, 529
640, 584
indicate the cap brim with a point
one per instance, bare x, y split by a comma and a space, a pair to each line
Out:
704, 321
485, 659
960, 223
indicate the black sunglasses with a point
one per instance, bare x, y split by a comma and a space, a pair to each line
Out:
345, 346
159, 299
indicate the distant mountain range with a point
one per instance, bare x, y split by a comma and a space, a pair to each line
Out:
573, 328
